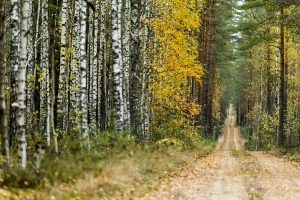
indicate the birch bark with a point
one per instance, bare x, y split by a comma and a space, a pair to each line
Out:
83, 82
75, 70
126, 61
95, 64
63, 76
30, 72
102, 65
136, 82
117, 67
45, 83
21, 98
15, 21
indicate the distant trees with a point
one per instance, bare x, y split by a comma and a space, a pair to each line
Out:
269, 37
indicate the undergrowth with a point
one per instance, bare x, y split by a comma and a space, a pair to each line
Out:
289, 152
115, 165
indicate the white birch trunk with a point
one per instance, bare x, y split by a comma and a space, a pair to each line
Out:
95, 64
83, 82
45, 83
117, 67
15, 23
136, 68
102, 68
63, 76
75, 70
92, 71
21, 108
30, 72
126, 61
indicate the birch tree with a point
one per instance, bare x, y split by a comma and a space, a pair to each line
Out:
89, 69
83, 77
95, 64
117, 67
21, 98
135, 77
126, 60
92, 65
3, 84
146, 95
102, 67
63, 76
30, 71
15, 21
45, 83
75, 69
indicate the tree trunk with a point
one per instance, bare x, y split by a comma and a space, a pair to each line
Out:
45, 81
282, 104
30, 72
206, 103
3, 85
117, 67
269, 82
21, 108
83, 77
135, 76
95, 67
62, 99
15, 21
126, 60
103, 73
102, 65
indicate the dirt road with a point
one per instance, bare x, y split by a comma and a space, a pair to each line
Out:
230, 173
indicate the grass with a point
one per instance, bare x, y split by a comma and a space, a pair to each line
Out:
115, 168
290, 153
242, 154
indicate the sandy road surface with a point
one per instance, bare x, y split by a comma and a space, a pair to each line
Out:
232, 174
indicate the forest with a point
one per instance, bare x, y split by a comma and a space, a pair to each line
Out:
103, 98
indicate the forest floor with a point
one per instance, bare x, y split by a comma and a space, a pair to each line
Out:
232, 173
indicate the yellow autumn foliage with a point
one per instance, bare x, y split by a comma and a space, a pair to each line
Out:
174, 27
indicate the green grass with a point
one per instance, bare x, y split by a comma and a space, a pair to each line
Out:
114, 167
